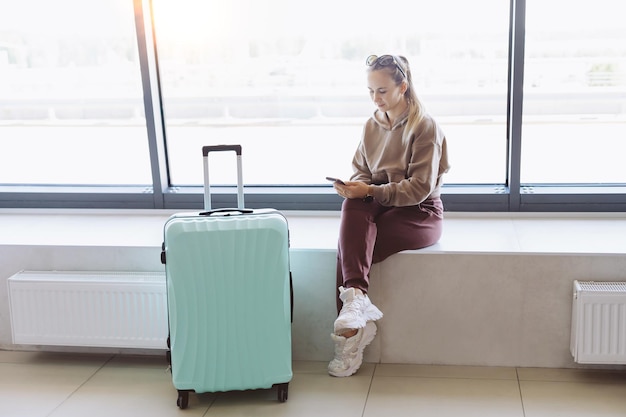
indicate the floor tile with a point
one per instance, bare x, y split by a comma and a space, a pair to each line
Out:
573, 399
130, 391
36, 389
433, 371
572, 375
310, 394
34, 384
443, 397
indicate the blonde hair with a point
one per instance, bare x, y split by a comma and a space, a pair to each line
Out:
416, 108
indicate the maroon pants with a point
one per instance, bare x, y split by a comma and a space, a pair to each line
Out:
370, 232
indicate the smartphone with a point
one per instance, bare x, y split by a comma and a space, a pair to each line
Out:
331, 179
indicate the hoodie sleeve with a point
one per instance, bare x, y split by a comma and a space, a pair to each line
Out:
360, 167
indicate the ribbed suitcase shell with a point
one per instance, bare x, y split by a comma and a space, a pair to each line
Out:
229, 300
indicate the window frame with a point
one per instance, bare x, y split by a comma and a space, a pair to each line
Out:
512, 196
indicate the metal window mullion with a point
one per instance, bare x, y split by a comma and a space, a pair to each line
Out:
515, 100
152, 99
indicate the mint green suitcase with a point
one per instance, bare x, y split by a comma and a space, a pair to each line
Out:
229, 297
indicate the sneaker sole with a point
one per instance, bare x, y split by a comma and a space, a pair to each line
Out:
369, 332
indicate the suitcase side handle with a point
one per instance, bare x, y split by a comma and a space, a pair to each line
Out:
207, 188
226, 211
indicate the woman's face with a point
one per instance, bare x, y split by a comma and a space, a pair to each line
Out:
384, 92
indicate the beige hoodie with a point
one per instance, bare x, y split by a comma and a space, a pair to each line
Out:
406, 170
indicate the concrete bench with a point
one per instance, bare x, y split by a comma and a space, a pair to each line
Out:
495, 291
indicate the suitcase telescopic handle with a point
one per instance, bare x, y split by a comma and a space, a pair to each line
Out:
207, 187
218, 148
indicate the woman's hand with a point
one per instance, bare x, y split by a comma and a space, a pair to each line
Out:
352, 189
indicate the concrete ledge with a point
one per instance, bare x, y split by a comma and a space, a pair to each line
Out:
496, 290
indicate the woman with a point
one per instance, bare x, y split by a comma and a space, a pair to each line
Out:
392, 201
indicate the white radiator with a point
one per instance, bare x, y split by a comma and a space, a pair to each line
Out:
99, 309
599, 322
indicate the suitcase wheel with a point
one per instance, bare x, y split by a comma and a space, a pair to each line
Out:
183, 399
283, 392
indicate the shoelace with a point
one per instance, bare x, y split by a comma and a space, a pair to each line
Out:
356, 305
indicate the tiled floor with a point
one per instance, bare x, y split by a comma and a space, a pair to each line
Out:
69, 385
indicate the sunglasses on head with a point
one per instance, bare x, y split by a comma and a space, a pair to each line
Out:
384, 61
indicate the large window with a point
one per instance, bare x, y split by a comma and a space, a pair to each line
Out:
287, 80
71, 108
574, 128
107, 103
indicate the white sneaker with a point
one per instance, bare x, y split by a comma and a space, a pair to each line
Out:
349, 351
356, 311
